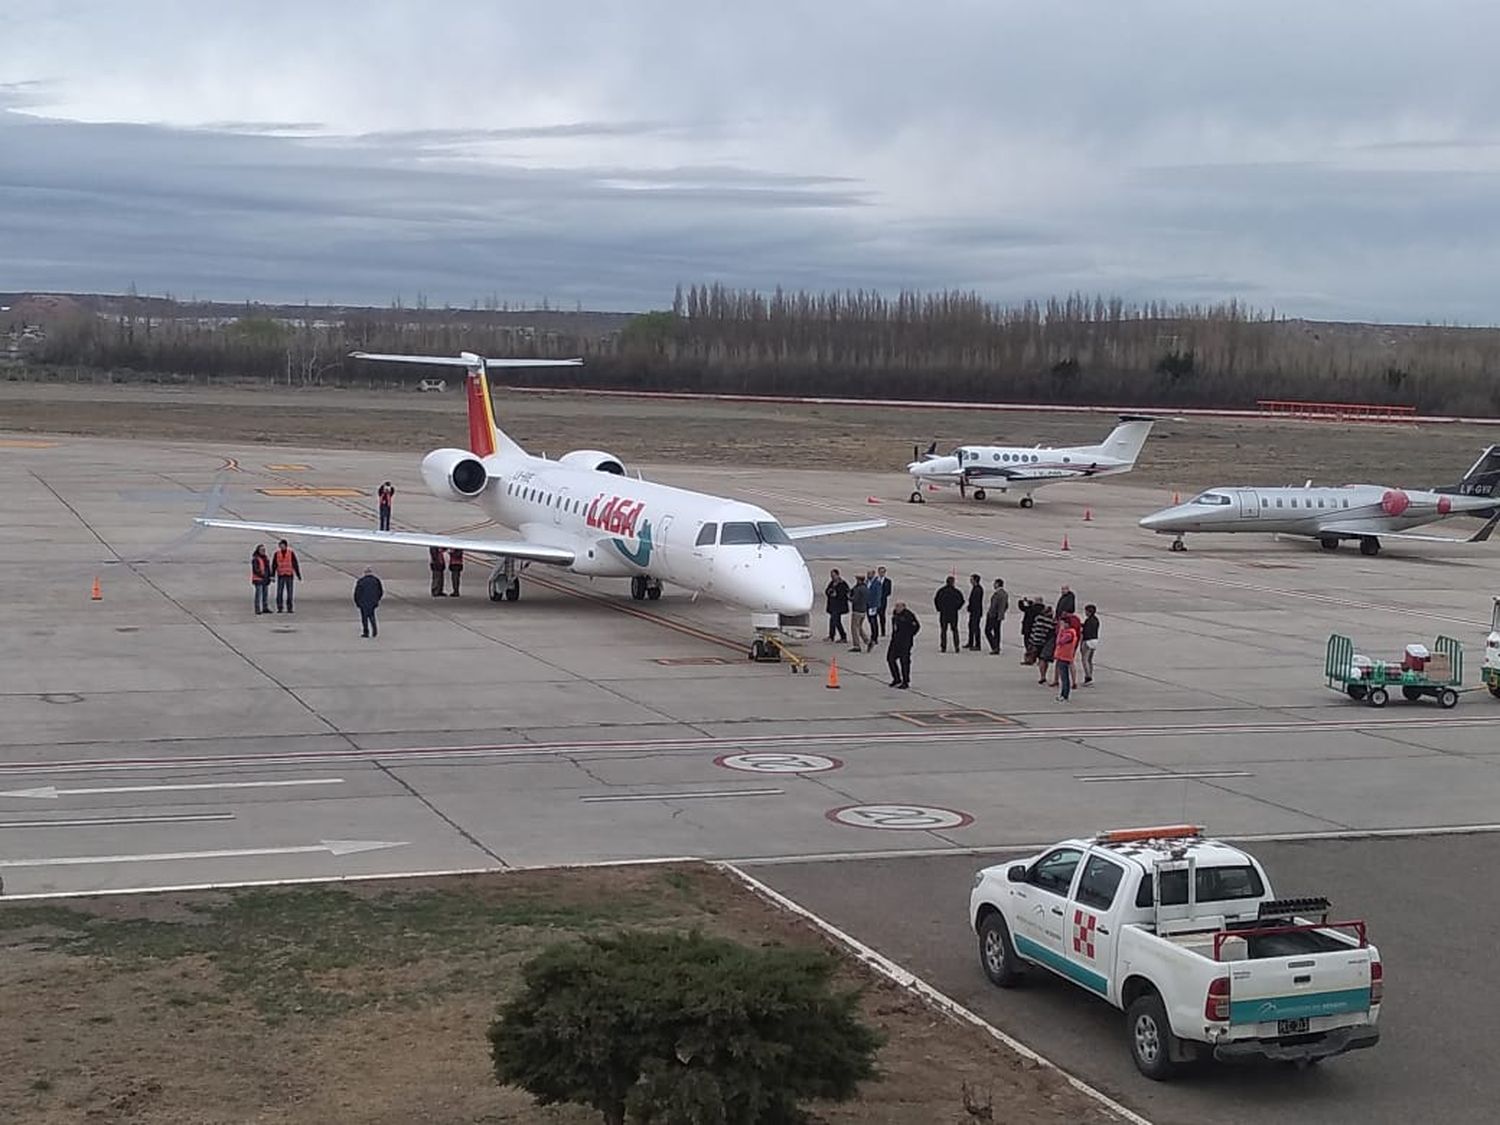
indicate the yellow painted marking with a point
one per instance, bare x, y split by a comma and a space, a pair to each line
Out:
25, 443
288, 468
307, 491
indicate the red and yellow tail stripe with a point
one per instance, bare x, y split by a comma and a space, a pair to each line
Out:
481, 413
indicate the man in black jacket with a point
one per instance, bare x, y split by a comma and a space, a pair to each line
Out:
976, 611
995, 620
904, 630
836, 601
367, 594
948, 601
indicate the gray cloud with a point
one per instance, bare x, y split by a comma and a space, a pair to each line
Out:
1164, 150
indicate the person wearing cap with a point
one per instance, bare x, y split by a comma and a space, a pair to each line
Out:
367, 594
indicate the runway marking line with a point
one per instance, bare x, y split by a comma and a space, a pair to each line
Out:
116, 821
909, 981
309, 491
529, 749
682, 796
959, 717
1201, 775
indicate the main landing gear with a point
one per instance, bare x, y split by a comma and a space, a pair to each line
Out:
643, 587
1027, 501
505, 582
1369, 545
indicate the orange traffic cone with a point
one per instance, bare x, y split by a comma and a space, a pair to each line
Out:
1176, 499
1065, 541
97, 594
1088, 515
932, 488
872, 500
833, 674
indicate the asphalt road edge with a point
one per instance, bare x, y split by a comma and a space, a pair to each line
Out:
910, 981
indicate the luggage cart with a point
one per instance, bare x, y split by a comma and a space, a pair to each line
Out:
1373, 681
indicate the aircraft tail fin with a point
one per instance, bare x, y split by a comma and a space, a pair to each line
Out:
485, 438
1126, 439
1483, 478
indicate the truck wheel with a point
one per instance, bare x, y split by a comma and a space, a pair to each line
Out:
1495, 690
1378, 697
996, 955
1411, 694
1151, 1040
1447, 698
1356, 691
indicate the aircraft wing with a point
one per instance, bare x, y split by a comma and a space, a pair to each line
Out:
816, 530
1372, 527
514, 549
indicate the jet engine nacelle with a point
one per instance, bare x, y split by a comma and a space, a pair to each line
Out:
454, 474
594, 459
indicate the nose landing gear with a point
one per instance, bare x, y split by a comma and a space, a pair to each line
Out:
1178, 544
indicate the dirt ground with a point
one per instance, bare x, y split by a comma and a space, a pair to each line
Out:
368, 1002
1183, 453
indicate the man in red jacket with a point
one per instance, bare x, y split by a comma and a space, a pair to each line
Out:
286, 568
455, 566
435, 564
386, 492
1064, 648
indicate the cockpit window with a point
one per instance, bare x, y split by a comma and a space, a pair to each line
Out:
707, 534
738, 535
1213, 499
753, 534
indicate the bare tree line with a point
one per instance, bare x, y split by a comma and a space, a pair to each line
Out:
945, 345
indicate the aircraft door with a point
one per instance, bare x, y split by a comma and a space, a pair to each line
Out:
1249, 505
559, 505
659, 534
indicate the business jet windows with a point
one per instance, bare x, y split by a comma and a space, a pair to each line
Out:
1211, 499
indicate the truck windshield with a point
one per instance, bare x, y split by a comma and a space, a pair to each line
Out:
1214, 884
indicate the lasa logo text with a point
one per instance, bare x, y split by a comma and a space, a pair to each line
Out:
617, 515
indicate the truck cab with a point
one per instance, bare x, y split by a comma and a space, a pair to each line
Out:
1186, 935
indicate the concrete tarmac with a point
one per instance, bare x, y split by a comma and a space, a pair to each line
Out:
1419, 896
166, 736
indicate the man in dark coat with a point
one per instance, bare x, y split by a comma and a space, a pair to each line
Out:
948, 601
976, 611
995, 620
367, 594
1066, 602
836, 601
1029, 608
884, 581
1040, 639
904, 630
436, 561
455, 566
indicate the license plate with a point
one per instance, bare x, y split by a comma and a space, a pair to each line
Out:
1292, 1027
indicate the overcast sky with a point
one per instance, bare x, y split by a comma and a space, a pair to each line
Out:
1323, 159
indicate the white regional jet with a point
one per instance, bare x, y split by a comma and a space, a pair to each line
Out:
1366, 512
583, 513
1027, 468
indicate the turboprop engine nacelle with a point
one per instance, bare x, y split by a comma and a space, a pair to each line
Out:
454, 474
594, 459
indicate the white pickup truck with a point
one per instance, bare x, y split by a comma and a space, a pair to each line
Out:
1184, 935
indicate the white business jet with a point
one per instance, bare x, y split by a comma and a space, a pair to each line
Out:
1027, 468
582, 513
1363, 512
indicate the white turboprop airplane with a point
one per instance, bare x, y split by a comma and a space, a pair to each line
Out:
1027, 468
583, 513
1366, 512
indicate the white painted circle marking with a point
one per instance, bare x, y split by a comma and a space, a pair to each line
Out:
899, 818
778, 763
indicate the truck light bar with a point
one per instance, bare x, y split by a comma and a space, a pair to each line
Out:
1291, 907
1162, 832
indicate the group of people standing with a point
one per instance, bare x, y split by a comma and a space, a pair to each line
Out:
1058, 639
1055, 638
873, 613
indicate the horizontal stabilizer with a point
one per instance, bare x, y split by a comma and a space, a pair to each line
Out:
817, 530
511, 549
461, 361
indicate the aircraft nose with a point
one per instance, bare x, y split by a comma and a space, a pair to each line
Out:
1157, 520
774, 580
